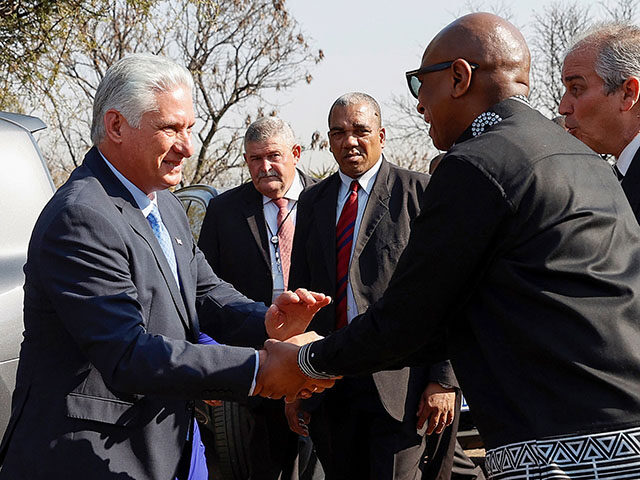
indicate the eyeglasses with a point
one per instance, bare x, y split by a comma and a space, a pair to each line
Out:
415, 83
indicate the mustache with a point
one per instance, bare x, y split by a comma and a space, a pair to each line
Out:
269, 173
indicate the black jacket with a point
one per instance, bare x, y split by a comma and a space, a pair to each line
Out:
526, 257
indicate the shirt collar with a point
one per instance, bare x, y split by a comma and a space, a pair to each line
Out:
624, 161
294, 190
494, 115
144, 202
366, 180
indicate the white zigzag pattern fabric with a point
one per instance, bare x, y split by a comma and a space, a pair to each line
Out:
602, 456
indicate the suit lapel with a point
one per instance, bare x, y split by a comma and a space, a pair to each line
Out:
631, 182
180, 242
140, 225
253, 211
324, 217
125, 202
377, 207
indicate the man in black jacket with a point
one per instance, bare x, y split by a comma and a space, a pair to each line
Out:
237, 239
531, 278
601, 73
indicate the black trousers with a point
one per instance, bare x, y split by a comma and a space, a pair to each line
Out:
355, 438
273, 446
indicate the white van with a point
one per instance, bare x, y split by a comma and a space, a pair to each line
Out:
24, 190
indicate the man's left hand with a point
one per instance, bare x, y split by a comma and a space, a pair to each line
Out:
437, 405
292, 312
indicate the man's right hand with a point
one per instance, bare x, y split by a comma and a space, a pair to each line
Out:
279, 375
297, 418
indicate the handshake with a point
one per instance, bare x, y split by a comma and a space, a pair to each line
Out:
286, 322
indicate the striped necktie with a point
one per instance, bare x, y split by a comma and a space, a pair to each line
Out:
285, 236
344, 240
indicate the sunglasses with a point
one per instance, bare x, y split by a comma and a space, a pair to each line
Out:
415, 83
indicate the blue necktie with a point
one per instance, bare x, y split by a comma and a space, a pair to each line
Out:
162, 234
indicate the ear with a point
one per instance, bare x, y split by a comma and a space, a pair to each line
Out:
630, 93
113, 125
296, 150
383, 136
461, 75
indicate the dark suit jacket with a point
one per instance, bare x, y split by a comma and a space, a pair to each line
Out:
107, 366
631, 184
394, 201
526, 254
234, 239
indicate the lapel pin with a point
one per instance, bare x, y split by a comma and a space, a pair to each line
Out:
178, 241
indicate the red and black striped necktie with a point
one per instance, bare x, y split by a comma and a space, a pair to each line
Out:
344, 240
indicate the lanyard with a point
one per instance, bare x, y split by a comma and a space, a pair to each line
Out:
275, 240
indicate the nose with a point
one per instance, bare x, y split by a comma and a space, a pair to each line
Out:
420, 108
184, 145
350, 139
565, 107
265, 165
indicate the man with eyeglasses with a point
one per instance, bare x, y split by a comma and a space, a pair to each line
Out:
531, 283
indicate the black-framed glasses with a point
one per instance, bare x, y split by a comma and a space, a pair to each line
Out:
414, 82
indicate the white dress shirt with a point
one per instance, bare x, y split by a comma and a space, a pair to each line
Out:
365, 181
627, 155
271, 210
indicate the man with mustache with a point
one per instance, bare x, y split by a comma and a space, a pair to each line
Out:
250, 229
351, 230
601, 74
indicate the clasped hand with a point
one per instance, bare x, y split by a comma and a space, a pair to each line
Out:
286, 321
279, 375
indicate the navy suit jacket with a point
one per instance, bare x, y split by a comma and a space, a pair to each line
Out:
109, 363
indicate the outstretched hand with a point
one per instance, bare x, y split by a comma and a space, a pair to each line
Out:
279, 375
292, 312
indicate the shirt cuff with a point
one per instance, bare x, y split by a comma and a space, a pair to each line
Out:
304, 362
255, 374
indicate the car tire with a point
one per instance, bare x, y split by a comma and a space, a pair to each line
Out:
231, 427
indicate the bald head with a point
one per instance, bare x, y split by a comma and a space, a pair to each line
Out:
489, 61
494, 44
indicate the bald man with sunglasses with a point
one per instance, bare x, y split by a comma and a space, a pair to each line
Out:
531, 285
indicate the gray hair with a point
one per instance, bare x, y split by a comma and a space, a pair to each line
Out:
130, 86
356, 98
617, 47
269, 127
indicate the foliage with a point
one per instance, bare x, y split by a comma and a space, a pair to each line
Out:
555, 27
236, 50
